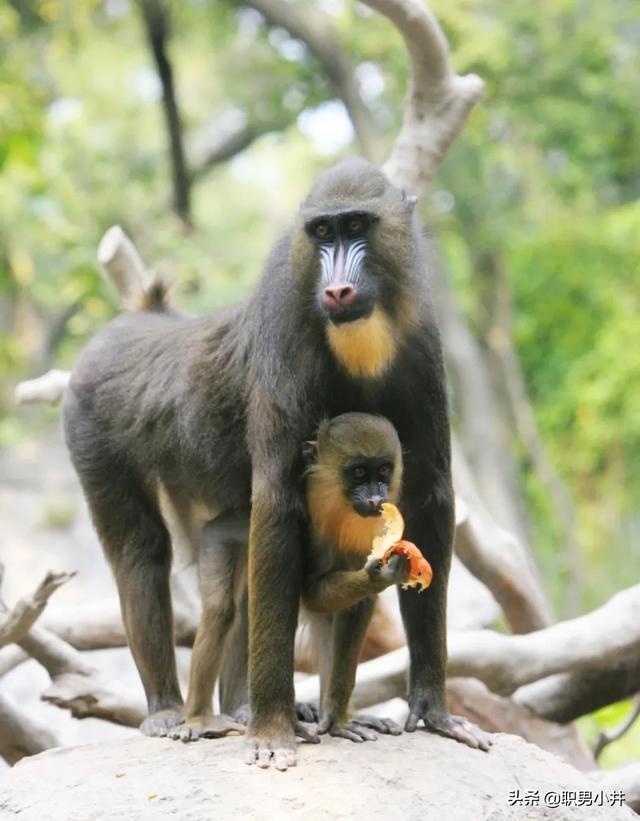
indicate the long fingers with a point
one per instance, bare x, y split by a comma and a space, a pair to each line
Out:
261, 751
386, 726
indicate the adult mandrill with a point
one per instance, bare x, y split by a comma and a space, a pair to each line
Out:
207, 415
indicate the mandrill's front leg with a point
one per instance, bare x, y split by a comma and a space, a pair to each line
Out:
274, 593
424, 616
221, 571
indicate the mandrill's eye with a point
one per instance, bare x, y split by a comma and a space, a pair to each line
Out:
359, 472
355, 225
384, 473
323, 229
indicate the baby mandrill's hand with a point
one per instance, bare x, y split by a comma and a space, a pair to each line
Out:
395, 571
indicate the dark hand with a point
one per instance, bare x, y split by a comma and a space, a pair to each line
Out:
358, 729
395, 571
205, 726
162, 722
308, 712
440, 722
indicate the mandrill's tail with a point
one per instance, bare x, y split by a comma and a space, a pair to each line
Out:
155, 297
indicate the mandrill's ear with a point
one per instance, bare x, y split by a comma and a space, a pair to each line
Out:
309, 453
410, 201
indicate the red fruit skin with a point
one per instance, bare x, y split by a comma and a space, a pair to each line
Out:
420, 572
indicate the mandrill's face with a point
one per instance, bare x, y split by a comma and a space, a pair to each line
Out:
344, 290
354, 255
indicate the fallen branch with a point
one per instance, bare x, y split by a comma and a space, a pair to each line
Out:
99, 626
595, 640
17, 622
11, 657
504, 663
77, 686
606, 737
508, 374
91, 696
438, 100
47, 388
495, 556
568, 696
20, 735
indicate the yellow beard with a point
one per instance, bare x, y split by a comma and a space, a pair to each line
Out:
333, 519
365, 347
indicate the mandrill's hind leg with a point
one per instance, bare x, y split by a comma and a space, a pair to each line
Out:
222, 571
137, 544
234, 690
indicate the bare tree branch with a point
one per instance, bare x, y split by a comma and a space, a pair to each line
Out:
99, 626
309, 24
47, 388
606, 737
55, 655
156, 18
11, 657
505, 663
55, 332
495, 556
17, 622
20, 735
482, 420
509, 378
438, 100
122, 263
75, 685
79, 687
219, 144
565, 697
595, 640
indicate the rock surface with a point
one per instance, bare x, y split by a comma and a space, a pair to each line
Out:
409, 777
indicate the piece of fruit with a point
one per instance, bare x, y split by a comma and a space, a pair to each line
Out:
420, 572
389, 541
390, 530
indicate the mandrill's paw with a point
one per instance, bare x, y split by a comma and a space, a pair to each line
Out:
395, 571
386, 726
162, 722
307, 711
354, 730
205, 726
442, 723
262, 747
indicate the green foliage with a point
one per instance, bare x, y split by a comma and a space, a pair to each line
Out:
623, 751
543, 185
